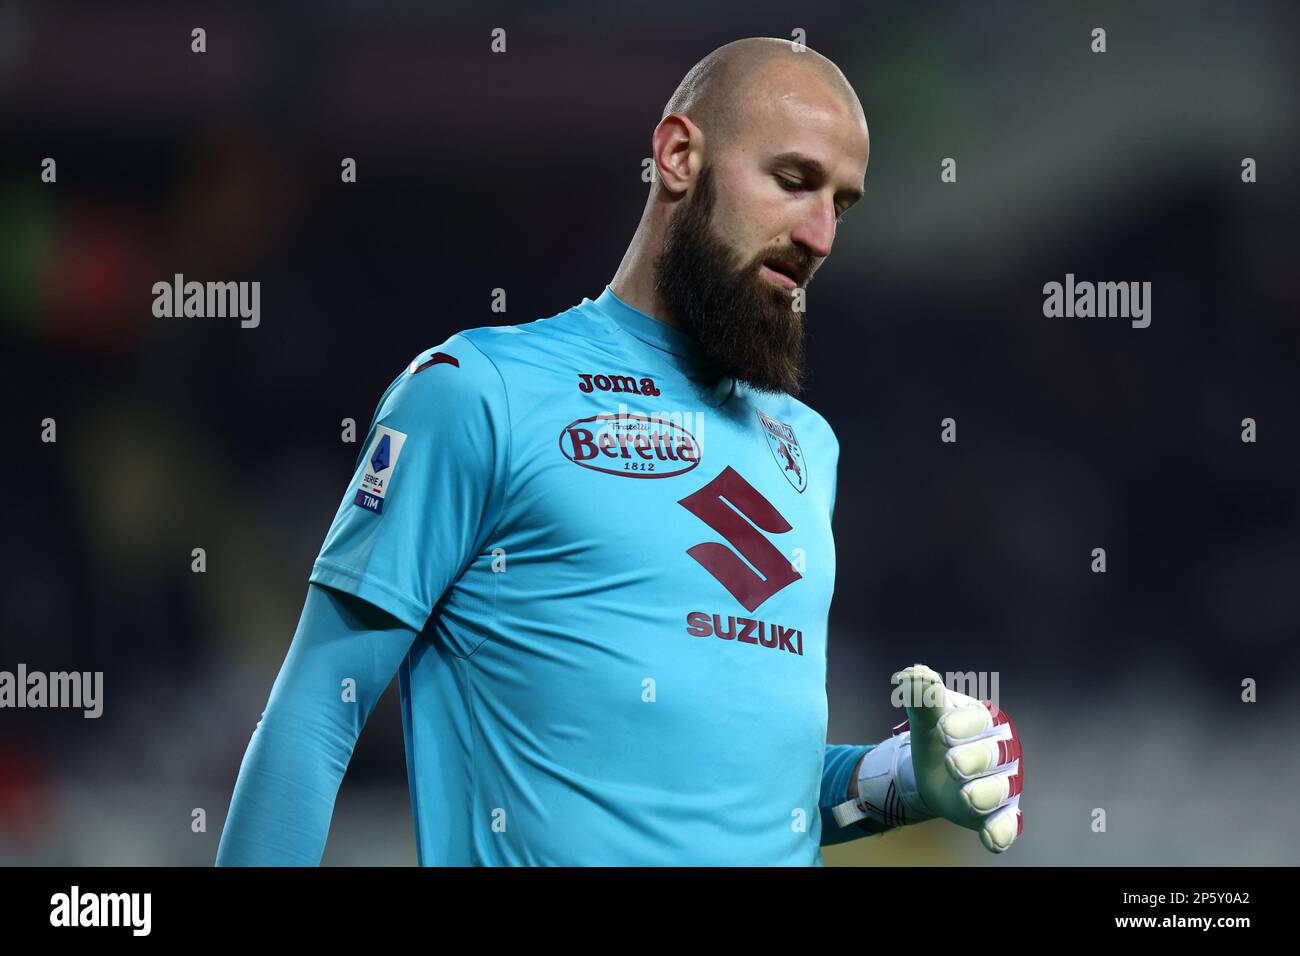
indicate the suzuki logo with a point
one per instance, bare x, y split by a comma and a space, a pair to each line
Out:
717, 504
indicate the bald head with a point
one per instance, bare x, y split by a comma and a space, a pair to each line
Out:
727, 89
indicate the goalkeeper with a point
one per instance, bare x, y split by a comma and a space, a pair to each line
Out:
595, 550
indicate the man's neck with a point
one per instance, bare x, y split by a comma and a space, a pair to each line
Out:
634, 284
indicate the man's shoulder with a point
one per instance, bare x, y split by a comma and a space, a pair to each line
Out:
484, 354
505, 343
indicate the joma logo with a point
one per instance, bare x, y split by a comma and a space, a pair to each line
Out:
616, 383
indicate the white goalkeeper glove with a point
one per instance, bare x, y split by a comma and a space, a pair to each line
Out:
954, 757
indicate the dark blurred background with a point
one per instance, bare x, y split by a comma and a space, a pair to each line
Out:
522, 171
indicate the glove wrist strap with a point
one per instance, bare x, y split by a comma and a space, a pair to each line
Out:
887, 791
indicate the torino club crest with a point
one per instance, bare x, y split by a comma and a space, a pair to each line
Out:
785, 447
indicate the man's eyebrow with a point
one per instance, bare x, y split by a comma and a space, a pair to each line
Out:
815, 170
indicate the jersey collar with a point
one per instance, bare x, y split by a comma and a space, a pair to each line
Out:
682, 351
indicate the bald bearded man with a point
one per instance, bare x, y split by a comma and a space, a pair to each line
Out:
596, 550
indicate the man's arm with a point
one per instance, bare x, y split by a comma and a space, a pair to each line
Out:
284, 797
426, 490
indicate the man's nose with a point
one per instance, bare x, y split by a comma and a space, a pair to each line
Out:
816, 231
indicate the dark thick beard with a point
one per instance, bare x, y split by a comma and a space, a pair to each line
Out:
743, 322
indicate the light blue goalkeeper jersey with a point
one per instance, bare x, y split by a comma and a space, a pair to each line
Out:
621, 564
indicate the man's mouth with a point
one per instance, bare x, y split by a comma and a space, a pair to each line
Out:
785, 273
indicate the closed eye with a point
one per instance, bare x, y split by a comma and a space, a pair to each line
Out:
794, 185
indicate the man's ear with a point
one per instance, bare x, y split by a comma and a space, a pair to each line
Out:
677, 150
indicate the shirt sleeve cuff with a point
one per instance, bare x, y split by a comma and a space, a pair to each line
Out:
372, 590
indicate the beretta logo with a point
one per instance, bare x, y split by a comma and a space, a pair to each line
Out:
635, 446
